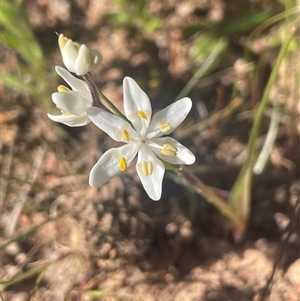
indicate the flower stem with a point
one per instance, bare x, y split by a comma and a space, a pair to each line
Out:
112, 106
96, 100
93, 89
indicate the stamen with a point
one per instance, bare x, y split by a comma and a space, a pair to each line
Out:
142, 114
122, 164
164, 127
147, 168
64, 113
126, 135
62, 88
169, 150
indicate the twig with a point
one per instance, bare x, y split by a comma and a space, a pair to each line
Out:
17, 209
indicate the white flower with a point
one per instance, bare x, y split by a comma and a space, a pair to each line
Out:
78, 58
144, 138
72, 103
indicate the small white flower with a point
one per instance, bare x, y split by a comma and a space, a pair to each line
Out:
78, 58
144, 138
72, 103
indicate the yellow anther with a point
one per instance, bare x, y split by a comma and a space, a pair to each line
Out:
62, 88
147, 168
142, 114
164, 127
169, 150
64, 113
122, 164
126, 135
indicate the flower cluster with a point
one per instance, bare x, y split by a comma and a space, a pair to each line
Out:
142, 133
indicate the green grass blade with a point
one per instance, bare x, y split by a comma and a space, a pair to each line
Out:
207, 66
240, 195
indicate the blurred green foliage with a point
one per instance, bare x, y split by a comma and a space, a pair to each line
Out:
17, 35
208, 36
135, 14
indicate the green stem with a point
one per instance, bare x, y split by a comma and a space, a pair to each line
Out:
112, 106
261, 109
211, 197
240, 194
96, 101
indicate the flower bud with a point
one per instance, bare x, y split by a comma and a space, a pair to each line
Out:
76, 57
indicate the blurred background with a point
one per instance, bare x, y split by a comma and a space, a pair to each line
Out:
238, 61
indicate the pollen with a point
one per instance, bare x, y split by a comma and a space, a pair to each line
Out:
147, 168
62, 88
169, 150
164, 127
142, 114
122, 164
126, 135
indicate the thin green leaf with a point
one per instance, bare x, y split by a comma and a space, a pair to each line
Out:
210, 63
240, 195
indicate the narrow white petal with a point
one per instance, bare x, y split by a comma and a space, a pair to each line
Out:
71, 120
72, 102
183, 155
135, 101
87, 60
83, 62
75, 83
108, 165
169, 118
152, 182
69, 55
112, 125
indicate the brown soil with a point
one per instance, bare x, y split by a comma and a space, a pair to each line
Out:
113, 242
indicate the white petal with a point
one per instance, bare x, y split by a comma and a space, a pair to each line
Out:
111, 124
69, 55
83, 62
75, 83
172, 115
183, 156
72, 102
135, 100
87, 60
108, 165
152, 183
71, 120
